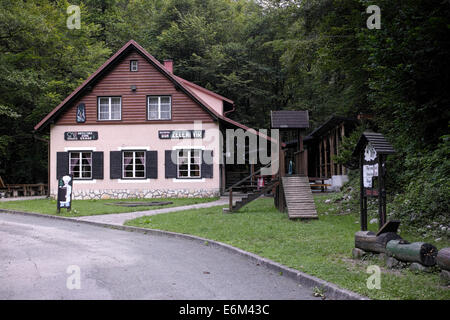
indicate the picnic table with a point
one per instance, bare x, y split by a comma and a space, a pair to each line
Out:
23, 189
323, 186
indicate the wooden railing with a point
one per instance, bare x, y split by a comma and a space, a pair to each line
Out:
237, 184
252, 175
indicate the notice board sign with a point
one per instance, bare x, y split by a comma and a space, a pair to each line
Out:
181, 134
370, 166
80, 135
65, 192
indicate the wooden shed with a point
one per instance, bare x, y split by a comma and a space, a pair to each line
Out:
292, 125
323, 143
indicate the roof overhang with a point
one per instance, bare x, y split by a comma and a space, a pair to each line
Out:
106, 67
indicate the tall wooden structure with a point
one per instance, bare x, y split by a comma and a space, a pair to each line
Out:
372, 149
293, 194
292, 125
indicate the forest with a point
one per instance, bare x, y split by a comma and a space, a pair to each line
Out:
316, 55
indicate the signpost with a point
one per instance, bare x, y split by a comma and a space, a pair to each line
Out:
372, 149
64, 199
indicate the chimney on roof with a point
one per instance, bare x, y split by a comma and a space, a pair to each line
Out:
168, 64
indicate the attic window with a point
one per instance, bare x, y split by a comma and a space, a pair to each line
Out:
134, 65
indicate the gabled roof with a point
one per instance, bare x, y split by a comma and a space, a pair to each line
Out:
331, 123
179, 83
298, 119
232, 123
195, 86
378, 142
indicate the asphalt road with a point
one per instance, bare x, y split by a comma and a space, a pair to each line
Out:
35, 254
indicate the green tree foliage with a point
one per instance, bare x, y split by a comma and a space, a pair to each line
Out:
41, 61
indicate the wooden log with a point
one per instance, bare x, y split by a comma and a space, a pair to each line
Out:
368, 241
443, 259
421, 252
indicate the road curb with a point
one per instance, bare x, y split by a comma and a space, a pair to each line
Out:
331, 291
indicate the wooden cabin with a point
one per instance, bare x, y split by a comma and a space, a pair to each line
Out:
322, 144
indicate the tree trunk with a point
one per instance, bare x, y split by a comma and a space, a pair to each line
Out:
421, 252
443, 259
368, 241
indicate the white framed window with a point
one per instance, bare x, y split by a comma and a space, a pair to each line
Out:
189, 163
133, 165
80, 165
159, 107
109, 108
134, 65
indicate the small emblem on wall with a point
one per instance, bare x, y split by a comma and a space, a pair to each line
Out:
81, 113
181, 134
80, 135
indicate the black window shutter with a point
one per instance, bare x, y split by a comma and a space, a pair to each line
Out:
207, 165
151, 164
62, 164
115, 164
171, 168
97, 165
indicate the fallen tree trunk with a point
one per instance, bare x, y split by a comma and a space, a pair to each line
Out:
443, 259
368, 241
421, 252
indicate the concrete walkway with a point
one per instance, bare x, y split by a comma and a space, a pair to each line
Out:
22, 198
120, 218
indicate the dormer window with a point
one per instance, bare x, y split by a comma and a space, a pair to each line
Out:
134, 65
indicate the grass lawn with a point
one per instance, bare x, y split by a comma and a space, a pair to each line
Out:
320, 247
93, 207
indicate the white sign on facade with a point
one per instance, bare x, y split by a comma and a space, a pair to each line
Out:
369, 170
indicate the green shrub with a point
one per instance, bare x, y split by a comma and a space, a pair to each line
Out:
426, 197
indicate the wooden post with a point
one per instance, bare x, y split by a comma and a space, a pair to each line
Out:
336, 137
381, 192
363, 199
330, 139
300, 158
230, 204
343, 135
223, 175
326, 156
320, 159
305, 161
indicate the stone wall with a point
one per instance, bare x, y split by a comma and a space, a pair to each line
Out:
141, 194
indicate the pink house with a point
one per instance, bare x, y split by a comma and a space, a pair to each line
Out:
134, 129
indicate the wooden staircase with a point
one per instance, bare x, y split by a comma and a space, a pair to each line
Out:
251, 196
299, 198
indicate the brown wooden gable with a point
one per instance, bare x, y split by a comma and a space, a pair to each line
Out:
148, 81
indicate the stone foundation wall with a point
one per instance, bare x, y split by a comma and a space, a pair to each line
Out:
140, 194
